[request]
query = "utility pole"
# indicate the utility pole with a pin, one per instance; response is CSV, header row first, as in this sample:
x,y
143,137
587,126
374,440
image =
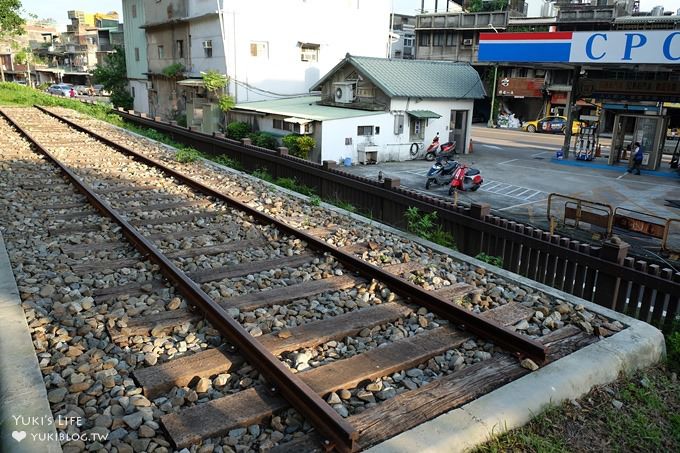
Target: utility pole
x,y
490,123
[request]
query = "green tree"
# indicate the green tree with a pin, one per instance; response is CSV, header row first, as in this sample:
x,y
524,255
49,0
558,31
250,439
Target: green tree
x,y
11,23
113,75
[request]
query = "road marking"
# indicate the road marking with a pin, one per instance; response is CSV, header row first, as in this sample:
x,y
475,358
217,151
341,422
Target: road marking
x,y
622,175
507,161
521,204
492,146
538,154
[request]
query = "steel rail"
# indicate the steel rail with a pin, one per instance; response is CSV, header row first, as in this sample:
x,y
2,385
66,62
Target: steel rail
x,y
502,336
337,432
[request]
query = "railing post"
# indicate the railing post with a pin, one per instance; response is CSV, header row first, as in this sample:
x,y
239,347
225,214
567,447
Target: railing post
x,y
328,164
246,141
473,238
607,285
391,183
282,151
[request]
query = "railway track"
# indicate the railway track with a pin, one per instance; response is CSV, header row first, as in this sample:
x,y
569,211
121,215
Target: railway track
x,y
215,294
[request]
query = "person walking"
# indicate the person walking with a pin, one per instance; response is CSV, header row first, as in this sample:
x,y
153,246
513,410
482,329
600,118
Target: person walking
x,y
637,159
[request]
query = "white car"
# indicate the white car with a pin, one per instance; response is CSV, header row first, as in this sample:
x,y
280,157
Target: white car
x,y
60,89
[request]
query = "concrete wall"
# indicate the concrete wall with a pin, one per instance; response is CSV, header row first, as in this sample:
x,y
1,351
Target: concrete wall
x,y
202,30
167,37
163,10
134,38
338,27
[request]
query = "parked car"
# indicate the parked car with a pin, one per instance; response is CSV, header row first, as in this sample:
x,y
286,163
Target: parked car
x,y
60,89
100,91
82,89
551,124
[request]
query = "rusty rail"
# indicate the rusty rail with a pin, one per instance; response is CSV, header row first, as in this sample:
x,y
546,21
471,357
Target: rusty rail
x,y
338,433
508,339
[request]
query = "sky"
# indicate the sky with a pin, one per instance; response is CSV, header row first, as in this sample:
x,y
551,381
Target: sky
x,y
57,9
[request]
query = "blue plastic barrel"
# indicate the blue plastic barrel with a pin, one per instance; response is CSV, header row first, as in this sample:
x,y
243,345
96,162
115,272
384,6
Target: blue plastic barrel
x,y
348,162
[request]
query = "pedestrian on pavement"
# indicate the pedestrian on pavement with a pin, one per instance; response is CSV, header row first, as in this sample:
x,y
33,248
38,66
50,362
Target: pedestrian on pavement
x,y
72,93
637,159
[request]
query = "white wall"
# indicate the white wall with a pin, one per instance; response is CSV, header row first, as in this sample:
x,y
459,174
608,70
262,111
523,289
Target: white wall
x,y
391,147
358,27
141,99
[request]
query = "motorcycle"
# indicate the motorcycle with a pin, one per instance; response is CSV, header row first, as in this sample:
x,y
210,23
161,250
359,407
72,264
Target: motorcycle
x,y
435,150
441,172
465,178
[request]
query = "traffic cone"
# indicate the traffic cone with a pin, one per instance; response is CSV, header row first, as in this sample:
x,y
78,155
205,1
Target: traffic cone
x,y
470,148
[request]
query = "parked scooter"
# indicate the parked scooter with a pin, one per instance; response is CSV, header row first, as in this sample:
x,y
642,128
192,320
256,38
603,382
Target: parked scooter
x,y
441,172
435,150
465,178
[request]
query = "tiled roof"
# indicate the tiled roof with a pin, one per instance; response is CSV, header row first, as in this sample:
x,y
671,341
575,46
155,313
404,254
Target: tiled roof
x,y
417,78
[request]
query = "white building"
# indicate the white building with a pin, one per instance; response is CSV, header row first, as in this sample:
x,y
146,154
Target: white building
x,y
135,53
374,109
281,48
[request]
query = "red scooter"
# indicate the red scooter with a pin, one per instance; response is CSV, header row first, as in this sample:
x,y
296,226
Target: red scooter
x,y
465,178
435,150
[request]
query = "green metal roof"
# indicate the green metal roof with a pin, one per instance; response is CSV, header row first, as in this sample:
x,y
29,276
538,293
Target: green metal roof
x,y
423,114
304,107
416,78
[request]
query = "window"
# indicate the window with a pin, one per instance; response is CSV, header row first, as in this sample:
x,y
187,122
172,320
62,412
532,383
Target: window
x,y
424,39
259,49
309,52
438,39
161,52
133,91
207,48
134,10
408,41
136,53
283,126
364,130
450,39
180,48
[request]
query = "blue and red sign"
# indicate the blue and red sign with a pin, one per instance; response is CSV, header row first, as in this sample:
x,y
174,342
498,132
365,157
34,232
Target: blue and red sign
x,y
622,47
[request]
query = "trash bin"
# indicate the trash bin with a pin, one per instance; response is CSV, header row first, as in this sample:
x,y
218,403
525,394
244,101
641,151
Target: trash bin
x,y
347,162
559,155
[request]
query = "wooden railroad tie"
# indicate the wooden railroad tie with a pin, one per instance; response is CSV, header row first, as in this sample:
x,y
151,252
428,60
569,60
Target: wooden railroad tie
x,y
255,404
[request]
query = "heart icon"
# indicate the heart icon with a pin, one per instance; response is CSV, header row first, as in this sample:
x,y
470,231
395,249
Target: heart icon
x,y
19,435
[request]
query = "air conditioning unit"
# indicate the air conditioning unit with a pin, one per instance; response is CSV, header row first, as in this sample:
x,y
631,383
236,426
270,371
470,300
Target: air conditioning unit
x,y
467,42
343,92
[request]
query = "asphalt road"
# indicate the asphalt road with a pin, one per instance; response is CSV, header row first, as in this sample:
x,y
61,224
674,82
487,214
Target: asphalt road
x,y
520,173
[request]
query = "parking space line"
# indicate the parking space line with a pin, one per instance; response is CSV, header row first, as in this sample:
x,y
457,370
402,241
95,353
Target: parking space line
x,y
507,161
521,204
522,193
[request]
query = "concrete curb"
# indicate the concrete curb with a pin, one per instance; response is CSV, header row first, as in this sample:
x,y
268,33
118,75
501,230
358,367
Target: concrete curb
x,y
25,417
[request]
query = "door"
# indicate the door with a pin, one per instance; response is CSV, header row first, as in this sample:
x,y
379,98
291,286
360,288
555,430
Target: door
x,y
458,128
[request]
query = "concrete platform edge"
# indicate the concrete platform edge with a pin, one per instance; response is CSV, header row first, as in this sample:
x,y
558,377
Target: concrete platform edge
x,y
24,410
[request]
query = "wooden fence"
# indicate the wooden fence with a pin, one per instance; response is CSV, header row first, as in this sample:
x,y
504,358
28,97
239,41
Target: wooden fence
x,y
601,274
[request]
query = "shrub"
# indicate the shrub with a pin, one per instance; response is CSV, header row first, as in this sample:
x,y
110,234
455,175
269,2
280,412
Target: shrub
x,y
226,103
263,174
238,130
673,351
264,140
173,70
299,145
187,155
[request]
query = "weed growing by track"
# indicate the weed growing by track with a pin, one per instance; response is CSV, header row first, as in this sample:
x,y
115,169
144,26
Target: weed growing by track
x,y
187,155
490,259
426,226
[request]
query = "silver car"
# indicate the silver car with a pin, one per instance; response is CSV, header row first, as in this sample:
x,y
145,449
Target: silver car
x,y
60,89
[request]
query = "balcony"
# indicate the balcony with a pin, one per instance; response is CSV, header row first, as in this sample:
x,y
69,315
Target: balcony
x,y
463,21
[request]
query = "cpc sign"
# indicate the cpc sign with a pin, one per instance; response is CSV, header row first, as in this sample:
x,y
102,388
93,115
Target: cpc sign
x,y
632,47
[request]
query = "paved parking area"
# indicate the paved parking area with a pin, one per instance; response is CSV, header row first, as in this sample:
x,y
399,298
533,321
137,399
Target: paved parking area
x,y
519,173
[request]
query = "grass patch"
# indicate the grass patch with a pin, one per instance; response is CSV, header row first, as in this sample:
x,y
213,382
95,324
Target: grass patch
x,y
292,184
648,419
263,174
226,161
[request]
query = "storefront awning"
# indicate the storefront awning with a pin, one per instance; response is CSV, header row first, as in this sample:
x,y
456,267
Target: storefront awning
x,y
296,120
423,114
